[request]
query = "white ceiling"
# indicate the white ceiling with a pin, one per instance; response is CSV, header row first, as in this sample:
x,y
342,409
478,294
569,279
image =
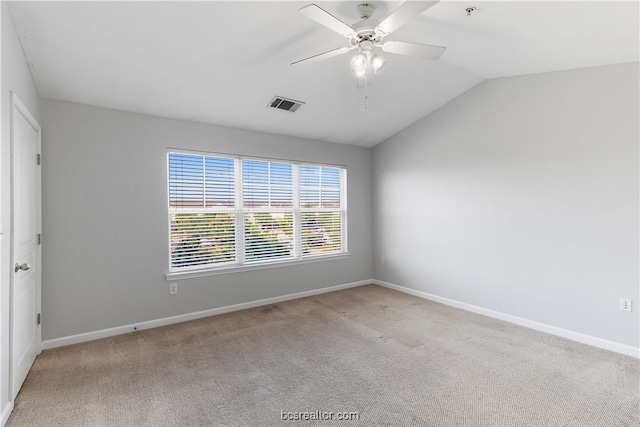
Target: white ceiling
x,y
222,62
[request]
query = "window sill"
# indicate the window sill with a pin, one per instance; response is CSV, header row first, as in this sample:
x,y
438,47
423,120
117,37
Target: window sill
x,y
191,274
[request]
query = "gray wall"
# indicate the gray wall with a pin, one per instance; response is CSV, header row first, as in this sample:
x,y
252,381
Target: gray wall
x,y
16,77
105,219
520,196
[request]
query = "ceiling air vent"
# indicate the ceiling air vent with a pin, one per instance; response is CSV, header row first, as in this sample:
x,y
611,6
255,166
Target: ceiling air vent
x,y
285,104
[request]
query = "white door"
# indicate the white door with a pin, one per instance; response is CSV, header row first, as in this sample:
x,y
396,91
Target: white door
x,y
25,248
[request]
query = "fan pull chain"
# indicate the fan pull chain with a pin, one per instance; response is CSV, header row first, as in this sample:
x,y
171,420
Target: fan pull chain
x,y
366,91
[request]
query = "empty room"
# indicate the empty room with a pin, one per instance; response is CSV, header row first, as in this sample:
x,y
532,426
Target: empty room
x,y
320,213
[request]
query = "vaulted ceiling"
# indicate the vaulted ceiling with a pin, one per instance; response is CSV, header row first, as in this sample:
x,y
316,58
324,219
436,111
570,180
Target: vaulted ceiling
x,y
221,62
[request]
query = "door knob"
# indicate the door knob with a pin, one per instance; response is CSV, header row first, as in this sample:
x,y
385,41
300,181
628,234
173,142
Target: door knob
x,y
23,267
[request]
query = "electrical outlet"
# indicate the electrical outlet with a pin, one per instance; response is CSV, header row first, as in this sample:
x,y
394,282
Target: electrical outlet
x,y
625,304
381,260
173,288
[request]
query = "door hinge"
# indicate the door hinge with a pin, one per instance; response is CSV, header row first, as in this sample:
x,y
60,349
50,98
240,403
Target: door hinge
x,y
38,159
39,238
38,319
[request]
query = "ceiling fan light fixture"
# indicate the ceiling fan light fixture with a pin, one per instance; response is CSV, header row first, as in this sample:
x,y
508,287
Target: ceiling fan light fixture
x,y
359,63
377,63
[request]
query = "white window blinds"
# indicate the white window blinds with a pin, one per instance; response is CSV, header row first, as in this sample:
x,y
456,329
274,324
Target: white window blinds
x,y
202,210
227,211
321,209
267,198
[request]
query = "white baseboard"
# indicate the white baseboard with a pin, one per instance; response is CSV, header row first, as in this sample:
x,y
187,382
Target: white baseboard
x,y
542,327
119,330
6,412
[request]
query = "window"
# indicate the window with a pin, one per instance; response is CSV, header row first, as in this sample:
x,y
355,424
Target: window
x,y
227,211
320,209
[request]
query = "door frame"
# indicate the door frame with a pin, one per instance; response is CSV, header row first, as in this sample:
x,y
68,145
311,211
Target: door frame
x,y
18,107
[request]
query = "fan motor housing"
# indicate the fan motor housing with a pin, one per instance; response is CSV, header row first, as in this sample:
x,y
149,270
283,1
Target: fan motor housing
x,y
366,29
366,32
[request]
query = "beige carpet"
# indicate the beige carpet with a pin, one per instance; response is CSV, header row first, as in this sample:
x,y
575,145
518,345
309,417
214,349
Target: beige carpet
x,y
391,358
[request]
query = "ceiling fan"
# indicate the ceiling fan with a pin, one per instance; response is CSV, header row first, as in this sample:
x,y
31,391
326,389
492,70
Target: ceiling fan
x,y
368,34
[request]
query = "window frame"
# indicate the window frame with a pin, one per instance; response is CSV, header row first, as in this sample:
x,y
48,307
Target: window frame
x,y
239,211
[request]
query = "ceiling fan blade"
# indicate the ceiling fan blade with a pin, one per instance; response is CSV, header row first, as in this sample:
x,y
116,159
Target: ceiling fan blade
x,y
407,11
323,56
414,49
323,17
